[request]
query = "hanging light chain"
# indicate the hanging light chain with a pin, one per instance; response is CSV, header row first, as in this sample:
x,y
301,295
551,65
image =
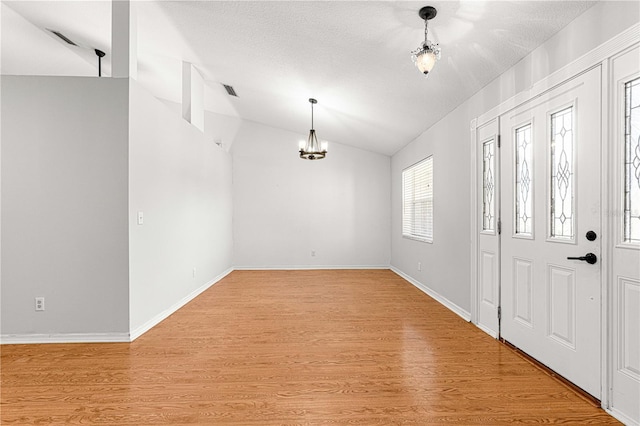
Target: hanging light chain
x,y
426,31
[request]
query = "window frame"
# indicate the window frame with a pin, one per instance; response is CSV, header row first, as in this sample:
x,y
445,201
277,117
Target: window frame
x,y
428,201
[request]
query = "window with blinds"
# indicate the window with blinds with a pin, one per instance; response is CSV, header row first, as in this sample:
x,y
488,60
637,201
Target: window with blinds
x,y
417,201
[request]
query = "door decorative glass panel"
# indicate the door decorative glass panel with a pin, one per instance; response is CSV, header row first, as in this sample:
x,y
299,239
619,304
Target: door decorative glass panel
x,y
488,185
524,181
562,158
632,162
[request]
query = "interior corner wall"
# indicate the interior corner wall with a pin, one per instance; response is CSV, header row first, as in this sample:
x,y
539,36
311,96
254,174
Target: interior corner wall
x,y
446,264
181,182
294,213
53,58
64,206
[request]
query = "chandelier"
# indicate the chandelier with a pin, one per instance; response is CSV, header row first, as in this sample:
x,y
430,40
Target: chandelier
x,y
312,149
428,53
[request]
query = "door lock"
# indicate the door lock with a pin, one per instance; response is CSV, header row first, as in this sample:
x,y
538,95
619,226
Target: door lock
x,y
590,258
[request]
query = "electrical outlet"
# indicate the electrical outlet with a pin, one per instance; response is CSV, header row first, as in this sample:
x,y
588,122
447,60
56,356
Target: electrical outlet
x,y
140,218
313,253
194,272
419,266
39,303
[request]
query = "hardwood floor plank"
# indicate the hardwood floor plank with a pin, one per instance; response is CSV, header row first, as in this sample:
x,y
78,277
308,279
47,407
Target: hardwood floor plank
x,y
291,348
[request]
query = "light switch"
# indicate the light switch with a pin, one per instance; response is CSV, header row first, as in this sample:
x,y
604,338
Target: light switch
x,y
140,218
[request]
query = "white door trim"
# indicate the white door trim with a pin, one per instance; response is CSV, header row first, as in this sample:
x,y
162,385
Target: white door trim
x,y
473,208
599,56
607,229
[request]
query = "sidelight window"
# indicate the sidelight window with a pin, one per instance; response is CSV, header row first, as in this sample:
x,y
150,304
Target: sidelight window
x,y
488,185
632,162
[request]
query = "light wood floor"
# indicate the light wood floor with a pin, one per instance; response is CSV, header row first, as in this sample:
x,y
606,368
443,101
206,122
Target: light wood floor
x,y
291,348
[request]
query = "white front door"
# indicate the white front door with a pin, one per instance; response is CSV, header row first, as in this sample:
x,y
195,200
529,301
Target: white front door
x,y
625,277
550,206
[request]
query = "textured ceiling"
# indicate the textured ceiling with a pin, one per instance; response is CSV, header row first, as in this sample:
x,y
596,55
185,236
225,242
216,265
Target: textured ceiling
x,y
352,56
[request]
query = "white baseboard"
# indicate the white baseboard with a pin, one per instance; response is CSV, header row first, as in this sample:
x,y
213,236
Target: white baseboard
x,y
29,339
487,330
307,267
435,295
140,330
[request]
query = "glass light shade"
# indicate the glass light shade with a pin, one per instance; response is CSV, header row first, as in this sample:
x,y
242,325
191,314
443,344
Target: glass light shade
x,y
325,145
425,61
425,56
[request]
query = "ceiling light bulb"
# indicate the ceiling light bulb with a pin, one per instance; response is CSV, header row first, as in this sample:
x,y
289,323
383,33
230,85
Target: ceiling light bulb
x,y
425,61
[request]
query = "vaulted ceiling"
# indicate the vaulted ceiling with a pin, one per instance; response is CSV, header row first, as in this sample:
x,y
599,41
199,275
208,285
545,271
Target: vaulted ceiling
x,y
353,56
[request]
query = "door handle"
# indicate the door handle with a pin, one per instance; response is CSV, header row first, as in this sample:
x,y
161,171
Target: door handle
x,y
589,258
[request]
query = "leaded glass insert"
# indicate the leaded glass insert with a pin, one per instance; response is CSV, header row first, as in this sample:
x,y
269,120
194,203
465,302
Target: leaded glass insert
x,y
524,182
562,165
632,162
488,185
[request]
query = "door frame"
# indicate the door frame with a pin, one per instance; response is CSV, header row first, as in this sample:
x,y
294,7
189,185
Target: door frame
x,y
601,57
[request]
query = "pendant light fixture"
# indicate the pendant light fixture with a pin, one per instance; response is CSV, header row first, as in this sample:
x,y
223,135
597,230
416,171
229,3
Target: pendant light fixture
x,y
312,149
99,53
428,53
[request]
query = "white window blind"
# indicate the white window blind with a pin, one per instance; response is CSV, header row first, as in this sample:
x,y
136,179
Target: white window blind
x,y
417,201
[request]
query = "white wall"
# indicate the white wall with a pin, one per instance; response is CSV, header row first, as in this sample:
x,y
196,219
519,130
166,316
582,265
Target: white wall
x,y
285,207
80,158
55,57
181,181
64,205
217,127
448,258
445,262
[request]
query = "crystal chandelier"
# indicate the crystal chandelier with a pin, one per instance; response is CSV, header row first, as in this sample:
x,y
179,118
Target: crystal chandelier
x,y
428,53
311,150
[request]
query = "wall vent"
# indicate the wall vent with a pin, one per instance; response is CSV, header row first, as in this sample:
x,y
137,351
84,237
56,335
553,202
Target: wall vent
x,y
230,90
63,37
